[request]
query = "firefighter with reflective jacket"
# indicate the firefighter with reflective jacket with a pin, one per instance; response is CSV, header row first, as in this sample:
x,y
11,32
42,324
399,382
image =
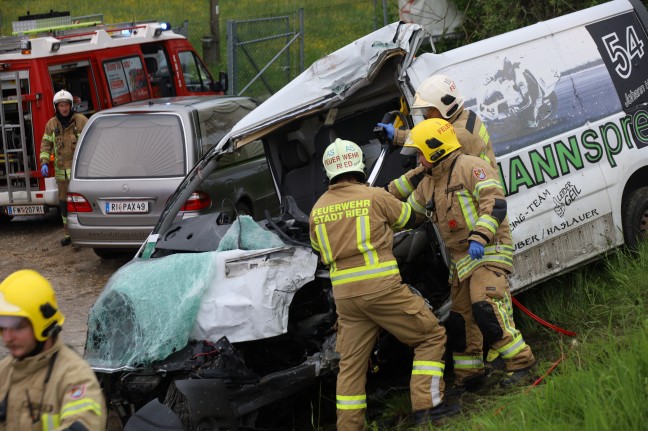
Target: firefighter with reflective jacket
x,y
351,227
61,134
463,196
438,97
44,384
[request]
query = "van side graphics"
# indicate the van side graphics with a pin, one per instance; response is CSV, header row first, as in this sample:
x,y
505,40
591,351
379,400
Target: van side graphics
x,y
563,157
625,56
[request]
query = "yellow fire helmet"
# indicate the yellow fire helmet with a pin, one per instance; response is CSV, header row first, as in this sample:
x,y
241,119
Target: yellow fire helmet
x,y
27,294
434,138
341,157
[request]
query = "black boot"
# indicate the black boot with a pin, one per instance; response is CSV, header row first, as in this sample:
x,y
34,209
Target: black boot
x,y
66,241
522,377
435,414
469,384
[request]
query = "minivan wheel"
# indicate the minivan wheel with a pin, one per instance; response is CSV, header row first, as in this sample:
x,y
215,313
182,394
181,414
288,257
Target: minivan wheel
x,y
635,217
109,253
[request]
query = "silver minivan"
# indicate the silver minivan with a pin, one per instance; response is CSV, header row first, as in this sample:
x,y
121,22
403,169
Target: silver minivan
x,y
130,159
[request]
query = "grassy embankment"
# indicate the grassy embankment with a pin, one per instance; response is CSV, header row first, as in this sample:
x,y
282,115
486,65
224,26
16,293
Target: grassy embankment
x,y
601,378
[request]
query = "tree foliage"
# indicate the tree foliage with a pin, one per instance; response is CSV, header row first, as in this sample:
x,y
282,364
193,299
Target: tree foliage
x,y
486,18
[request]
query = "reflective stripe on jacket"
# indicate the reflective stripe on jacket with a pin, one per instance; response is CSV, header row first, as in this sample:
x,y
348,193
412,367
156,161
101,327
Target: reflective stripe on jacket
x,y
61,142
464,197
72,394
360,221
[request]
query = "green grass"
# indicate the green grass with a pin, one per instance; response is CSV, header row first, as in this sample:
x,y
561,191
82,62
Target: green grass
x,y
601,380
328,25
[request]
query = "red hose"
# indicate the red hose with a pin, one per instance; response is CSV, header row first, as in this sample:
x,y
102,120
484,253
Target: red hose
x,y
541,321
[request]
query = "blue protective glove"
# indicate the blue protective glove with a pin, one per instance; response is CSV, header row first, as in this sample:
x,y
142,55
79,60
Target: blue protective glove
x,y
45,170
389,128
476,250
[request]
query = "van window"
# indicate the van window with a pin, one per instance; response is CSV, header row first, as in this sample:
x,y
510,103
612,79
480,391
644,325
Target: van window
x,y
157,66
195,73
126,80
78,79
132,146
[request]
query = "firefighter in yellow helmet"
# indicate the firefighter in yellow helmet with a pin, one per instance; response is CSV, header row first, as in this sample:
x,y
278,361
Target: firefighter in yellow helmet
x,y
463,196
351,227
438,97
45,385
60,138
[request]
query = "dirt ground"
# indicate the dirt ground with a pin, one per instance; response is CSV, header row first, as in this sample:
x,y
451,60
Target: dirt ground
x,y
77,274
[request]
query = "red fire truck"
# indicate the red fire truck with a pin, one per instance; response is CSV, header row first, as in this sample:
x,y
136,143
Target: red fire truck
x,y
102,65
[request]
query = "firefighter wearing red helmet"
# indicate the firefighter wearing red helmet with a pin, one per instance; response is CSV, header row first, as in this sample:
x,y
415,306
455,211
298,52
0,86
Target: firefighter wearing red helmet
x,y
61,134
351,227
438,97
463,196
45,385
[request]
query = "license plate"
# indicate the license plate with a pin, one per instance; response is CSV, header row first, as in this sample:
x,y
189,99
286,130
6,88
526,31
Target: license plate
x,y
127,207
25,210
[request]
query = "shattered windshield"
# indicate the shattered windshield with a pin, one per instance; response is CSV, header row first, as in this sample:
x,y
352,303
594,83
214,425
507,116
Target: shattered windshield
x,y
152,308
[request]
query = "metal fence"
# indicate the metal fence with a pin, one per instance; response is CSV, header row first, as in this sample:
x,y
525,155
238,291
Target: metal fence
x,y
265,54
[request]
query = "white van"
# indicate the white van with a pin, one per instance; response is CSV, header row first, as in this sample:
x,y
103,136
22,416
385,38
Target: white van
x,y
575,168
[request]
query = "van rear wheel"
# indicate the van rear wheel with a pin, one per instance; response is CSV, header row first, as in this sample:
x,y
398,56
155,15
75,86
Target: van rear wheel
x,y
635,217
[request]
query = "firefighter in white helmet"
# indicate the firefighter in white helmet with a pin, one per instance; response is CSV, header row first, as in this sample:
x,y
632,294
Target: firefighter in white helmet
x,y
351,227
438,97
463,196
45,385
59,140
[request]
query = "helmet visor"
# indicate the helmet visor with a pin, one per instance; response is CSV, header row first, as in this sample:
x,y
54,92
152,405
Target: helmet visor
x,y
11,322
409,151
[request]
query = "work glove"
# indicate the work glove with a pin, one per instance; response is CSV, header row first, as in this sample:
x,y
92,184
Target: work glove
x,y
476,250
45,170
389,128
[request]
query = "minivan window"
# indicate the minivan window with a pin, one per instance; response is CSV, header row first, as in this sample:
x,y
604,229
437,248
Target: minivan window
x,y
216,120
126,80
250,151
132,146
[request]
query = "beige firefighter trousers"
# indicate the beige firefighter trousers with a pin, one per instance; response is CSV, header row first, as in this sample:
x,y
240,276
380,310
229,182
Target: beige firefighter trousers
x,y
488,288
407,317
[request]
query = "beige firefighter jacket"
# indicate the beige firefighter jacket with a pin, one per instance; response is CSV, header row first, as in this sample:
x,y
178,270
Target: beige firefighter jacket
x,y
71,396
473,137
62,143
463,196
351,227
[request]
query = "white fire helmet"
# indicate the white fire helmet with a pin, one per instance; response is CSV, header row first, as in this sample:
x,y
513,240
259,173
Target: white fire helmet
x,y
341,157
438,91
63,95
